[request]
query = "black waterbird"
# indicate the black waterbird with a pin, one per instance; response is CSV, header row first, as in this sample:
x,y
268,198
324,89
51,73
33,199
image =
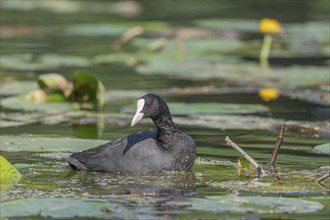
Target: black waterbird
x,y
165,148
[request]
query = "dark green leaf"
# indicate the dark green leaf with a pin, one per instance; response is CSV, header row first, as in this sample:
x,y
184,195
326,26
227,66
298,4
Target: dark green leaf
x,y
88,89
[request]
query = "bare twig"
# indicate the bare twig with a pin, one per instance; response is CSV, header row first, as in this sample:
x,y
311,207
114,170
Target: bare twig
x,y
323,187
274,173
319,180
246,156
277,146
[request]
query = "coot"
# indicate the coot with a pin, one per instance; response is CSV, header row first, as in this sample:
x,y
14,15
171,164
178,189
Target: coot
x,y
165,148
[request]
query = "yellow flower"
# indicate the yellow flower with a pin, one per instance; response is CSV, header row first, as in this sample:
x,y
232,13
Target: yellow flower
x,y
269,94
268,25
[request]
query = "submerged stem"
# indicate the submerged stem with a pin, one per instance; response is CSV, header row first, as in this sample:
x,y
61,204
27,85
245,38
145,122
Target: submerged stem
x,y
265,51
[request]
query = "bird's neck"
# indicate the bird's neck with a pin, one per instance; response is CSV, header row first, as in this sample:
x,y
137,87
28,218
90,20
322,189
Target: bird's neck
x,y
165,126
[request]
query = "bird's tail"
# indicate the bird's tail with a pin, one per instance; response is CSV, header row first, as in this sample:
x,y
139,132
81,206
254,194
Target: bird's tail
x,y
75,164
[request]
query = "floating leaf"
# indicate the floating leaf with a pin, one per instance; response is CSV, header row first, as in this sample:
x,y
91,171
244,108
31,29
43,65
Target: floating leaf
x,y
254,204
6,123
88,89
25,62
313,96
308,128
16,87
114,29
177,108
53,83
322,149
19,62
316,31
21,103
96,30
126,8
32,143
245,168
195,47
56,60
168,63
126,58
303,76
18,119
54,208
229,24
8,173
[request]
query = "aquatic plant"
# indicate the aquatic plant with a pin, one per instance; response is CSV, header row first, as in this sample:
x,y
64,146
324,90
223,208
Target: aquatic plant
x,y
268,27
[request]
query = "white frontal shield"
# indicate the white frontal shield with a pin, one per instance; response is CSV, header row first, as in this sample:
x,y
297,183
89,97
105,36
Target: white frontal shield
x,y
138,115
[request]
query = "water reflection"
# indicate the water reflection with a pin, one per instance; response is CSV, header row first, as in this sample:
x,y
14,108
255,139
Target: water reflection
x,y
126,185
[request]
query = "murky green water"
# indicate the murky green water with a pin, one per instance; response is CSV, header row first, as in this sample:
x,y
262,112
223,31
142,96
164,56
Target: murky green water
x,y
48,30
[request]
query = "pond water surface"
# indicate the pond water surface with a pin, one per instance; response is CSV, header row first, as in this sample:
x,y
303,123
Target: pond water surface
x,y
57,192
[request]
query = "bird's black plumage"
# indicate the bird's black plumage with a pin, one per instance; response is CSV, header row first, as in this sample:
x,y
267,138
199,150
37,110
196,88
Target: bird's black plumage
x,y
165,148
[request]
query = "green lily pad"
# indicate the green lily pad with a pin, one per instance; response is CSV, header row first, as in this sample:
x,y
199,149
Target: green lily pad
x,y
26,62
56,60
93,118
6,123
54,208
16,87
166,65
21,103
229,24
32,143
254,204
177,108
303,76
126,58
127,9
113,29
315,30
245,168
169,63
150,26
53,82
9,175
195,48
19,62
96,30
320,97
322,149
17,119
87,88
254,122
303,39
115,95
201,46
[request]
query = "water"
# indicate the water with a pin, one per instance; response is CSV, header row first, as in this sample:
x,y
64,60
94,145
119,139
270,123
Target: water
x,y
47,176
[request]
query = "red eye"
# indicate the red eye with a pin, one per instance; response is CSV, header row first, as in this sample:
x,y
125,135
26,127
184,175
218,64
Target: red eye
x,y
148,105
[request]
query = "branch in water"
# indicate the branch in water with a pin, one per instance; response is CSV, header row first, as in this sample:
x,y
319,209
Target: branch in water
x,y
277,146
322,178
246,156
